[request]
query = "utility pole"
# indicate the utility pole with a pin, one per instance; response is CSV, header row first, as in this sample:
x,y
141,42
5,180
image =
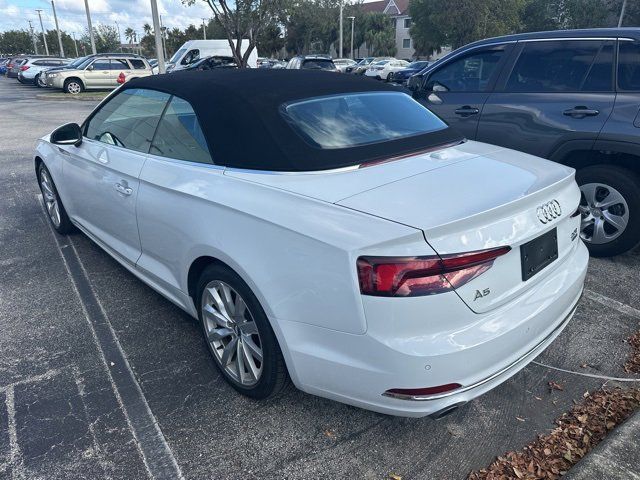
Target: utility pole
x,y
353,19
119,37
163,30
75,43
158,34
93,42
44,37
204,29
622,12
340,54
33,38
55,18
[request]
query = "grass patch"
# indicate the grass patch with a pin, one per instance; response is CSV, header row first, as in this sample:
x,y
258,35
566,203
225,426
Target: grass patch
x,y
68,96
577,432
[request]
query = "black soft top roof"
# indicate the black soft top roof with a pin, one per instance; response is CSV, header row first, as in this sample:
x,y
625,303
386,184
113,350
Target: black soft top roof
x,y
239,112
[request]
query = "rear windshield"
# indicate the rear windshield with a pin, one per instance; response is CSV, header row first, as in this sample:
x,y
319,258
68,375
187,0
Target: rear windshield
x,y
318,64
355,119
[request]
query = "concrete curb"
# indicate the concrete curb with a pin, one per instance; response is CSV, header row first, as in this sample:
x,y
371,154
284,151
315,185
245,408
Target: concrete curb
x,y
44,96
616,457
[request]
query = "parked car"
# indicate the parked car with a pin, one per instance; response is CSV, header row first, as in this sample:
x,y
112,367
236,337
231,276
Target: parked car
x,y
343,63
98,72
79,63
3,66
31,70
384,69
312,62
13,66
194,50
403,75
363,238
210,63
570,96
360,67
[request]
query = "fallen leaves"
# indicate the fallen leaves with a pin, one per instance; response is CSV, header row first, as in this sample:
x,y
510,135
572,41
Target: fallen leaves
x,y
555,386
550,456
632,365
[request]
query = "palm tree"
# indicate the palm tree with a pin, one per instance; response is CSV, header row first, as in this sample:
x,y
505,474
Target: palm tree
x,y
129,34
147,29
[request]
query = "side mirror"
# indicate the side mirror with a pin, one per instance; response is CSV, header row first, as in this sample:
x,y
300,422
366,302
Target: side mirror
x,y
90,67
438,87
68,134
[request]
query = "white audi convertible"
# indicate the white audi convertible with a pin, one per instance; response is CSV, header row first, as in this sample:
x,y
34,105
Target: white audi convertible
x,y
326,229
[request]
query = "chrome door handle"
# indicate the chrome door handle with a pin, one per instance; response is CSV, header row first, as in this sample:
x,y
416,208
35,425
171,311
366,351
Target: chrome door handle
x,y
580,112
466,111
123,190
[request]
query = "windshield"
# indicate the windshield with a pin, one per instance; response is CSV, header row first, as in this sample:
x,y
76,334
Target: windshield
x,y
177,55
77,62
318,64
350,120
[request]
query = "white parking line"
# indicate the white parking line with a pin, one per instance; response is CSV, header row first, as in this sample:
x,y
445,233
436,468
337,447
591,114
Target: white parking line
x,y
611,303
156,454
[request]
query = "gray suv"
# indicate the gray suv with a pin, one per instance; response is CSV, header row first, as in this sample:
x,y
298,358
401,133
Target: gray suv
x,y
569,96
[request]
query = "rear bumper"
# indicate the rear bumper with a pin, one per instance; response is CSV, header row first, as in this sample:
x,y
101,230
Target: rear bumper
x,y
428,341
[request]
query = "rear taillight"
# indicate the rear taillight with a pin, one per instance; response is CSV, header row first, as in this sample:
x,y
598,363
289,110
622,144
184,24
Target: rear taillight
x,y
24,67
416,276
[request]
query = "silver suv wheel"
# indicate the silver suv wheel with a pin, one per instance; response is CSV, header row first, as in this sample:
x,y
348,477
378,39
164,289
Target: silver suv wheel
x,y
605,213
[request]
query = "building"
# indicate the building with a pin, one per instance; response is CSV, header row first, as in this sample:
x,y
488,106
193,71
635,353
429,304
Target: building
x,y
399,10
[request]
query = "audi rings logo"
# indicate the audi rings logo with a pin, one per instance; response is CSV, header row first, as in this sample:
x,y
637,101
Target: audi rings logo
x,y
549,211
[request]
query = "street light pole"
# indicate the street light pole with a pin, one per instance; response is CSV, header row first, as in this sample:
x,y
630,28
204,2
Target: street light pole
x,y
158,34
44,37
93,42
119,37
622,11
204,29
75,43
353,19
55,18
33,38
340,54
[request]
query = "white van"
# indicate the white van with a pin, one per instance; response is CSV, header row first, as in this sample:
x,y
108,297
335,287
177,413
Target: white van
x,y
194,50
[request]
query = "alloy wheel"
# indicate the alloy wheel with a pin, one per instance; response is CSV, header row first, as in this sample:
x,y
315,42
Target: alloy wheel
x,y
50,197
232,333
605,213
73,88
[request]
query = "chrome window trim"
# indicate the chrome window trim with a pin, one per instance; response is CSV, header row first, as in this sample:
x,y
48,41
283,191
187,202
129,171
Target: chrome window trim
x,y
556,39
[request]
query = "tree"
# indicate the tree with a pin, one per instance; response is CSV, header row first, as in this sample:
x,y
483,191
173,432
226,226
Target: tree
x,y
462,22
129,34
16,41
380,34
270,41
244,21
105,36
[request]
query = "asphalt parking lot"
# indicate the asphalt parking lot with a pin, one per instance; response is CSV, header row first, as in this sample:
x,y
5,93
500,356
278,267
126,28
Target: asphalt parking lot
x,y
100,377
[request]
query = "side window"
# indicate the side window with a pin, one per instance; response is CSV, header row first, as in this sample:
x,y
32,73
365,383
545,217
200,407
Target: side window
x,y
101,65
191,57
119,64
471,73
137,64
629,65
563,66
129,119
179,135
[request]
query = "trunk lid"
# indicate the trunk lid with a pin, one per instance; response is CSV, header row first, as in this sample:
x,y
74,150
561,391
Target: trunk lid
x,y
487,201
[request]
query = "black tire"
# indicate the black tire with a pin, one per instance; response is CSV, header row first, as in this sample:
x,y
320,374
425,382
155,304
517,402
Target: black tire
x,y
65,226
274,377
35,80
73,86
627,184
390,77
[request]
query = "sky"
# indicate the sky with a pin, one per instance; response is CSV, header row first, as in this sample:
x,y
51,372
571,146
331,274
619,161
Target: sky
x,y
15,14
